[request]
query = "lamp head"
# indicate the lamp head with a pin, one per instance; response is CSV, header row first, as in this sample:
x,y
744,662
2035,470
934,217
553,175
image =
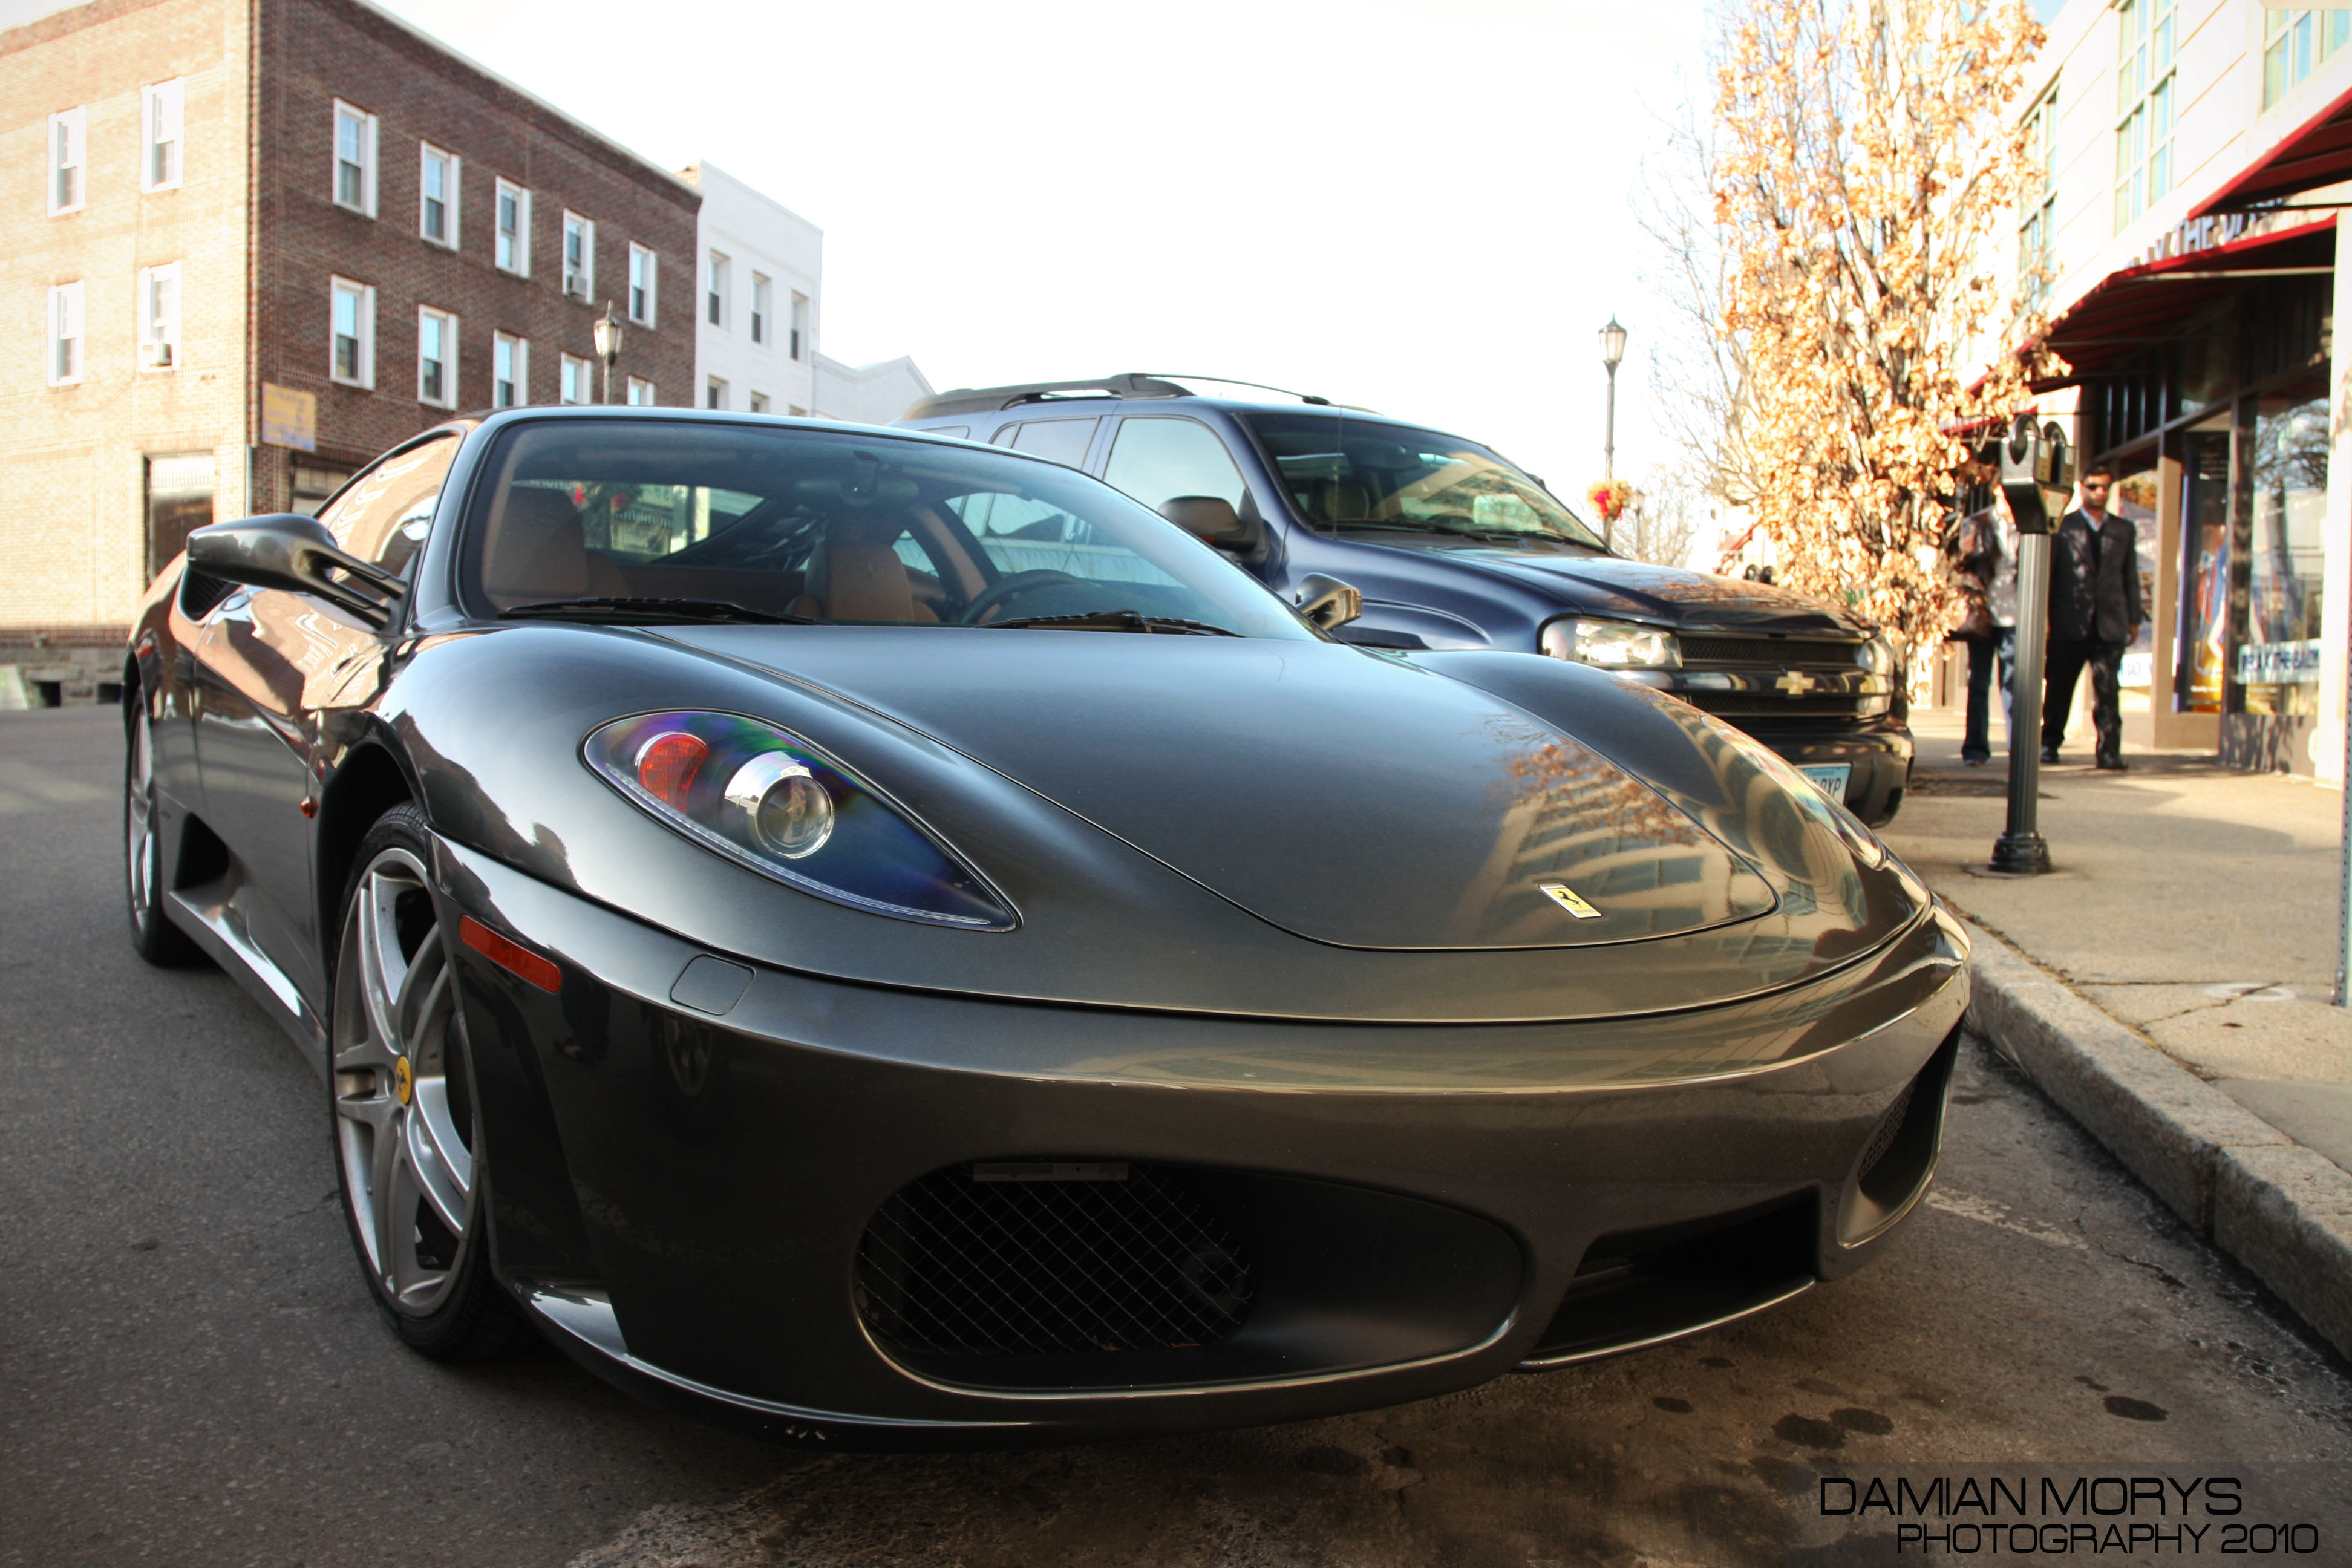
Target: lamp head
x,y
1613,344
607,335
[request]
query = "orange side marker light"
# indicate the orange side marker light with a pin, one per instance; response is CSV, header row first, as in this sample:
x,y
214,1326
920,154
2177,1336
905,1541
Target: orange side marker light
x,y
511,956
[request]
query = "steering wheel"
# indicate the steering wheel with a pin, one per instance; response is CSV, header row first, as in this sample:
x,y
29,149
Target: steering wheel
x,y
1011,587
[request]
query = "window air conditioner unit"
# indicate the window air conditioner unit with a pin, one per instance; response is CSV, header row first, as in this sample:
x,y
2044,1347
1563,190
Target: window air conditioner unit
x,y
155,356
576,284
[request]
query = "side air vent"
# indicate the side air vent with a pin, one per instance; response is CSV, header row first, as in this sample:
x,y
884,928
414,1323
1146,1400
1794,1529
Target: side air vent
x,y
1050,1257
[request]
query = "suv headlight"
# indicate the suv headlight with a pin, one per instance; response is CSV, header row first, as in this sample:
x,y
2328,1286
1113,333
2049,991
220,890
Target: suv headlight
x,y
769,800
1612,645
1877,656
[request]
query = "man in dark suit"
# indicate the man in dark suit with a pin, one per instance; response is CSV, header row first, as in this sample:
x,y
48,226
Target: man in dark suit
x,y
2096,611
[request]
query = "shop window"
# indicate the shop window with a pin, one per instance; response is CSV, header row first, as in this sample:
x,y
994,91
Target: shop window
x,y
2275,661
2133,498
2295,41
179,499
2146,32
2204,619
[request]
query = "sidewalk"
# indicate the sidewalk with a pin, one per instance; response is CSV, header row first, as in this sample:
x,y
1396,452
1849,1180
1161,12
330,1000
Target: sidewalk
x,y
2194,910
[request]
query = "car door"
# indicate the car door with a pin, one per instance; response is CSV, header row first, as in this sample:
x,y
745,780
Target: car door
x,y
268,663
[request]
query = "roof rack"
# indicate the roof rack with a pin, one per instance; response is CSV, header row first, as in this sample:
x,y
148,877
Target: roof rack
x,y
1134,383
989,399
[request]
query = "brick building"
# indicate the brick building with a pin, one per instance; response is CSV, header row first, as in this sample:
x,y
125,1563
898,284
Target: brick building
x,y
248,244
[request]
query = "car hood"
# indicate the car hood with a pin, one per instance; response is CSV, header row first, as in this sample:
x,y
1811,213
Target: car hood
x,y
1344,795
1604,586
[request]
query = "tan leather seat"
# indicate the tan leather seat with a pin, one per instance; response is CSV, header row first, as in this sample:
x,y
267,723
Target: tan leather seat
x,y
854,575
537,550
1342,500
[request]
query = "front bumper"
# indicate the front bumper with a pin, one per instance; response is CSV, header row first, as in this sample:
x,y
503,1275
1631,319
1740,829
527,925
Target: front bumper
x,y
1878,750
680,1192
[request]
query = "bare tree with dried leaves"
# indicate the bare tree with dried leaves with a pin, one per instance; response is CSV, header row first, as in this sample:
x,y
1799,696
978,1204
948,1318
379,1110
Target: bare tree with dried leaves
x,y
1868,159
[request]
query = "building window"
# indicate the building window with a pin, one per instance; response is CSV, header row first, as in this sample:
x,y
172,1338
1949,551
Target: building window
x,y
2145,31
641,392
763,307
714,292
759,403
574,385
512,251
64,159
436,198
352,357
641,286
2038,204
798,412
800,325
161,120
65,334
2294,42
436,357
509,370
159,317
714,394
355,131
179,501
579,256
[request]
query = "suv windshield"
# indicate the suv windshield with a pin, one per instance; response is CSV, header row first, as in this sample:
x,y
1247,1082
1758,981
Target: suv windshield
x,y
672,519
1345,473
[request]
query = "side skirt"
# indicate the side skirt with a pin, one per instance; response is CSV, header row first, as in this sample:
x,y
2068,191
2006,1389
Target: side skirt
x,y
207,914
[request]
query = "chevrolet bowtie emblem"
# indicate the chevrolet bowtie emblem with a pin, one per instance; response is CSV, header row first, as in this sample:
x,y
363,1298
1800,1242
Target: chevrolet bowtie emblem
x,y
1569,899
1795,682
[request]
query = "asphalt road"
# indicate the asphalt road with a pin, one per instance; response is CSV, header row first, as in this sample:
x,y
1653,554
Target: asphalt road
x,y
191,1375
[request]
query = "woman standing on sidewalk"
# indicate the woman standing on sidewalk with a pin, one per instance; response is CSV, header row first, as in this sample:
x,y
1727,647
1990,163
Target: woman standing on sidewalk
x,y
1983,548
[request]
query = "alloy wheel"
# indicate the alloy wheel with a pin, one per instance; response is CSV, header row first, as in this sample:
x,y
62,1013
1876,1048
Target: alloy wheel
x,y
139,817
404,1120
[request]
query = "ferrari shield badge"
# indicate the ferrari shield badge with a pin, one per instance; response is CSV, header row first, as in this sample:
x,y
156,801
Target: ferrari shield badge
x,y
1569,899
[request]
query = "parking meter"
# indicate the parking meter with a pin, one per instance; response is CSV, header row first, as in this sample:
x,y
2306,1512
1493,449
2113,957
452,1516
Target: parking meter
x,y
2037,479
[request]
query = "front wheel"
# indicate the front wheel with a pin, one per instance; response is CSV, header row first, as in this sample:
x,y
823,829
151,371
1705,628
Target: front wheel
x,y
408,1129
153,937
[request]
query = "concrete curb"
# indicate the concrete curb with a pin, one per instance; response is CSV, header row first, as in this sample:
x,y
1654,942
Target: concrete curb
x,y
2276,1206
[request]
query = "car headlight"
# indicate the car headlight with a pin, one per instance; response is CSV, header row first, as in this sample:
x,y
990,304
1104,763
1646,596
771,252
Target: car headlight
x,y
1612,645
769,800
1877,656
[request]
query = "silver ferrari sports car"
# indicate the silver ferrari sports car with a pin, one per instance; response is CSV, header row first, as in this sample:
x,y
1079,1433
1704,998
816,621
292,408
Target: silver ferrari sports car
x,y
880,940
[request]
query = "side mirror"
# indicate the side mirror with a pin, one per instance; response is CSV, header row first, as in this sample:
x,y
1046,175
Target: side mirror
x,y
1327,602
1212,521
295,554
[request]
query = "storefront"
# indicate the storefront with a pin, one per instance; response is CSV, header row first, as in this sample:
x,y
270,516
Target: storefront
x,y
2201,378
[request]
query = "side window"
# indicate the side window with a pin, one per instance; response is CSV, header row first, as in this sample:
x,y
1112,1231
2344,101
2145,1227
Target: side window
x,y
1157,459
385,514
1063,441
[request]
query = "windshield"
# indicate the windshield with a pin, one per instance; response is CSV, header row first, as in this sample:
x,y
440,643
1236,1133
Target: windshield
x,y
668,520
1345,473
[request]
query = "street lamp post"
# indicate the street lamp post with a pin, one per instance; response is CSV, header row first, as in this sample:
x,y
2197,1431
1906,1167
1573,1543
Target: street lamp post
x,y
1613,353
607,334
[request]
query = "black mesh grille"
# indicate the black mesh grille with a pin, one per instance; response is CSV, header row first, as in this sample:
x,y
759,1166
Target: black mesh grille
x,y
1772,704
1774,652
1884,1139
1043,1257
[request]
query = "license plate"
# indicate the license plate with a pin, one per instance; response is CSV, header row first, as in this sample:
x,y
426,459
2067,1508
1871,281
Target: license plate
x,y
1829,777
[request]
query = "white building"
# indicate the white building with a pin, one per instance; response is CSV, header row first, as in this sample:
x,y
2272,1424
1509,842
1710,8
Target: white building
x,y
755,299
2195,153
867,393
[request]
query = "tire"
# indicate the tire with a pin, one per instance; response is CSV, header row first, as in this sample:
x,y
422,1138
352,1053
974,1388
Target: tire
x,y
153,937
406,1126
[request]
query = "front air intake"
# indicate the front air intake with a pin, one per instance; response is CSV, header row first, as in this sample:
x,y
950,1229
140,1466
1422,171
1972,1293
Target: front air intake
x,y
1049,1258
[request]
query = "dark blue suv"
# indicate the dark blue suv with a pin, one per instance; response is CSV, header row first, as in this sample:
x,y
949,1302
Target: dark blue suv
x,y
1454,547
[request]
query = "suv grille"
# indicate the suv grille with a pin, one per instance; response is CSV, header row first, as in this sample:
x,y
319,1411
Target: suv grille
x,y
1775,705
1043,1257
1769,652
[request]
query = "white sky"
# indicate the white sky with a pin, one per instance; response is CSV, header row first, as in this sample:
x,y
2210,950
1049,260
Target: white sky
x,y
1420,206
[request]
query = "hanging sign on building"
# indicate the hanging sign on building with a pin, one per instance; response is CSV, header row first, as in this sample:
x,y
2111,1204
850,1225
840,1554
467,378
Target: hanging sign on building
x,y
289,418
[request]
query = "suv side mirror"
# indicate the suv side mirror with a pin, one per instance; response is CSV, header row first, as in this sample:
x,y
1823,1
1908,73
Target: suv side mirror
x,y
295,554
1211,519
1327,602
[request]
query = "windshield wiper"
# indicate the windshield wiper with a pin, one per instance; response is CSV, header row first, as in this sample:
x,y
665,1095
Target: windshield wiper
x,y
624,608
1426,526
1117,621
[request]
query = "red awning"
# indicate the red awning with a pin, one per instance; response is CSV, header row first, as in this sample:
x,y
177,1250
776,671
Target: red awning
x,y
2315,153
2145,304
